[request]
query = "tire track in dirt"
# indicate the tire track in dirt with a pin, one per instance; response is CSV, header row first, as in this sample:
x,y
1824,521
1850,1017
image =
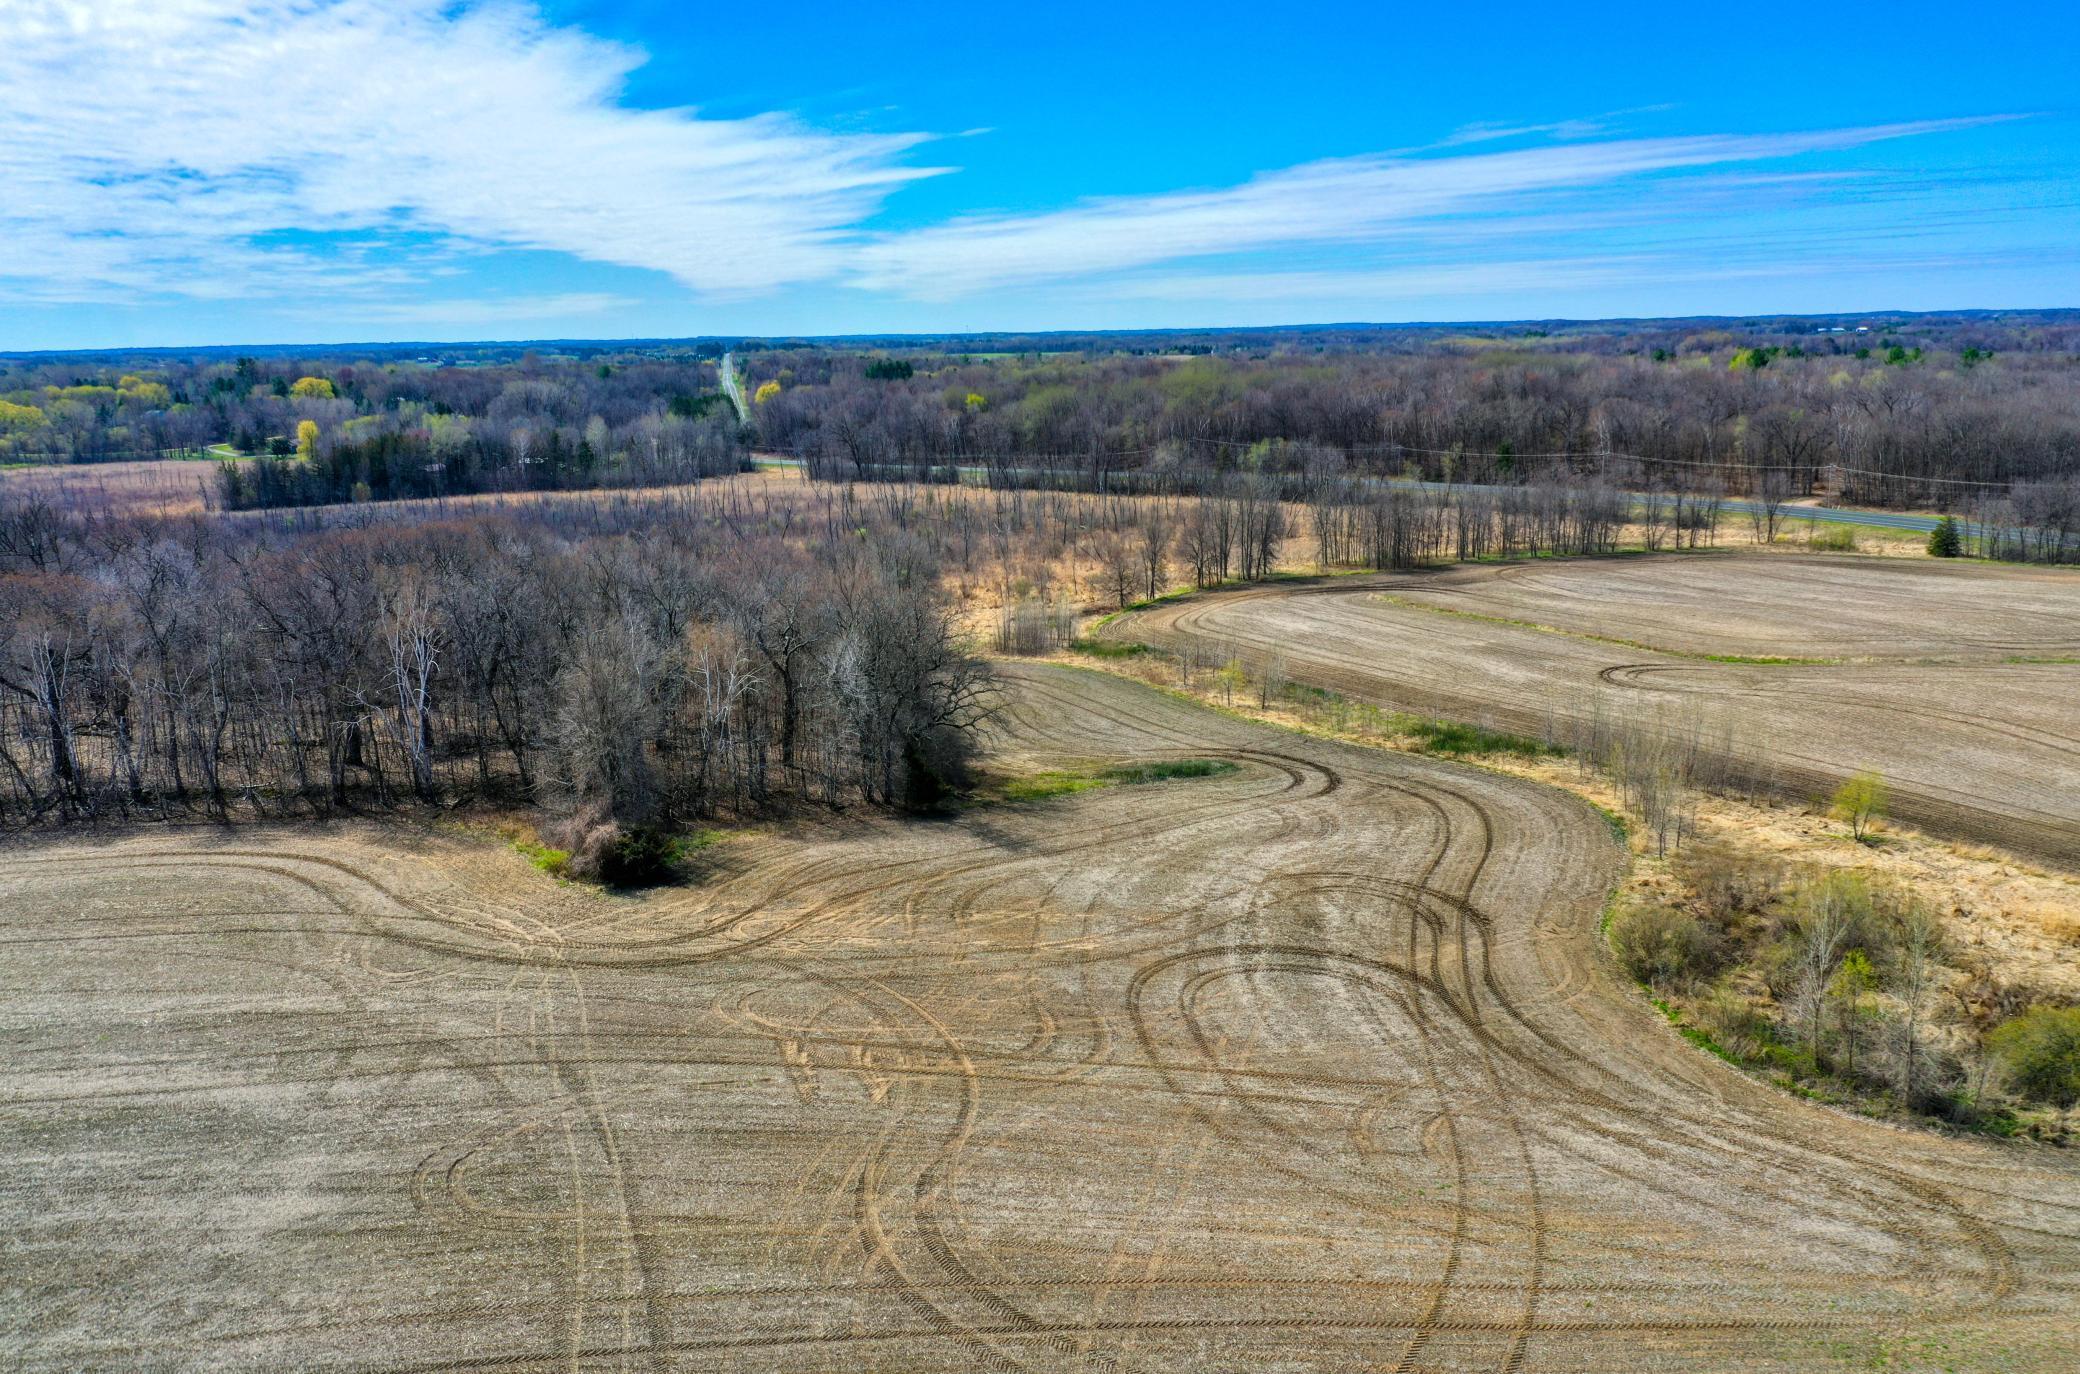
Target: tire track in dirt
x,y
1976,752
1308,1065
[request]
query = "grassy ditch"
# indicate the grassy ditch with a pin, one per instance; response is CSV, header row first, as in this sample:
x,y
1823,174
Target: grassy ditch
x,y
1342,715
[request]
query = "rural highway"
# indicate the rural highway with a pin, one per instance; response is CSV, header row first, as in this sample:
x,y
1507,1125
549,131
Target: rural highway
x,y
730,388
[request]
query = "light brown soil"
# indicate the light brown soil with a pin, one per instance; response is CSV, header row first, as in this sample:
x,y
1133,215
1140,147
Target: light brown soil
x,y
1813,606
1935,692
2012,919
1312,1065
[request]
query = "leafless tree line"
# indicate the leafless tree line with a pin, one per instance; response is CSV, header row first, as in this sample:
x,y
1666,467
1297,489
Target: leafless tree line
x,y
645,660
2037,522
1916,432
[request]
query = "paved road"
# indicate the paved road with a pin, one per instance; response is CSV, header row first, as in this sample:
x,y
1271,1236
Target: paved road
x,y
1879,519
732,390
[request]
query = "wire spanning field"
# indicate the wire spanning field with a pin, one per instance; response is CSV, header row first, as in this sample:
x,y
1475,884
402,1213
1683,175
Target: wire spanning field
x,y
1309,1065
1959,684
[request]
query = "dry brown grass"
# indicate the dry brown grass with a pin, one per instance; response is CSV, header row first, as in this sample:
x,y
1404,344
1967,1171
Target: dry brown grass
x,y
150,487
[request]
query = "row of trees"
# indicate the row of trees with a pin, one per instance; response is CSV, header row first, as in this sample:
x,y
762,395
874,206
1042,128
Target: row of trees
x,y
2036,522
1243,526
1925,412
1927,432
87,410
449,459
626,662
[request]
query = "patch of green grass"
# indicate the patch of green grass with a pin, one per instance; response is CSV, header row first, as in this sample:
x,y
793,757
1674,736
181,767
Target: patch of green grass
x,y
1621,829
1694,1034
1042,786
1133,775
554,862
1064,782
682,848
1105,648
1452,738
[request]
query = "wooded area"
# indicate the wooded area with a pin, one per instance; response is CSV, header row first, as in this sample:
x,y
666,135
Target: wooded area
x,y
1973,413
623,662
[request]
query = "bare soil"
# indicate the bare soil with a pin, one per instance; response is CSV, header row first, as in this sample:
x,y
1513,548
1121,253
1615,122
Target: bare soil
x,y
1315,1064
1958,683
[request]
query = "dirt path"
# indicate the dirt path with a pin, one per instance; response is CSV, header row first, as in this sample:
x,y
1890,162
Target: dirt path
x,y
1311,1065
1959,684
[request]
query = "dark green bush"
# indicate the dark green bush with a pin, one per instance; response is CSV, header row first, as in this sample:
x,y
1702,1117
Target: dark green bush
x,y
640,856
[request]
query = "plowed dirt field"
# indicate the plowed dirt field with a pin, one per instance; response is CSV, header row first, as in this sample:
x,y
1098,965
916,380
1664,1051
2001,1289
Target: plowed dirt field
x,y
1960,684
1311,1065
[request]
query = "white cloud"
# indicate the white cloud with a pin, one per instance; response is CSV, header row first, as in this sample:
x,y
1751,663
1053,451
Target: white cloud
x,y
1588,126
1360,286
496,309
1344,200
354,151
151,146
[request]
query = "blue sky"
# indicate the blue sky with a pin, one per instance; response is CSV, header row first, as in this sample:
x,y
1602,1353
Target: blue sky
x,y
226,171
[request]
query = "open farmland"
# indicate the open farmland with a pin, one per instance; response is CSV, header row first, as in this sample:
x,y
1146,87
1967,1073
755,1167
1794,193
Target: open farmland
x,y
1312,1064
149,486
1958,684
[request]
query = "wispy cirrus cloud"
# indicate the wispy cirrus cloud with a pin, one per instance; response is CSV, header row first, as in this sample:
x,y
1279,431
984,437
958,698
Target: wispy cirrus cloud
x,y
465,310
358,150
1585,126
168,145
1344,200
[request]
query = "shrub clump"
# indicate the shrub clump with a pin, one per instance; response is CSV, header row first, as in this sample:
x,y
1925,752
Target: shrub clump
x,y
2041,1051
1664,946
597,848
640,856
1728,883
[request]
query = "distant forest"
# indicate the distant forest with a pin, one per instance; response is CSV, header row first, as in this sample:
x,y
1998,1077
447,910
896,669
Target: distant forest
x,y
1978,413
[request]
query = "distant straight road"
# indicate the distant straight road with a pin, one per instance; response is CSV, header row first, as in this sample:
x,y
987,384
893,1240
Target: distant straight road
x,y
732,390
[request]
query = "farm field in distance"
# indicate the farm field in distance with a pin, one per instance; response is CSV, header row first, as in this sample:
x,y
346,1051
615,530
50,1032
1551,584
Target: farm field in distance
x,y
1958,684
